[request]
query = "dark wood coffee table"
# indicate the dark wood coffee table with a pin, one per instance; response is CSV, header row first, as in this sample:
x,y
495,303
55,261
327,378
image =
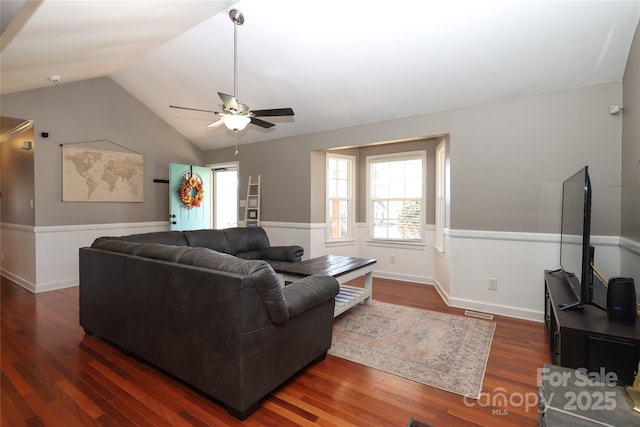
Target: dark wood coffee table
x,y
343,268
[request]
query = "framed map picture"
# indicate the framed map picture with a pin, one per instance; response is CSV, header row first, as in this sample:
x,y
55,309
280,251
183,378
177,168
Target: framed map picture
x,y
91,175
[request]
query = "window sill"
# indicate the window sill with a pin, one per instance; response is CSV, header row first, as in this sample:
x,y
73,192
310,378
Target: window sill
x,y
416,245
338,243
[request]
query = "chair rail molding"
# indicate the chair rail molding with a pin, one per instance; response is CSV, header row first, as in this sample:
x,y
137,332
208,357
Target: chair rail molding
x,y
45,258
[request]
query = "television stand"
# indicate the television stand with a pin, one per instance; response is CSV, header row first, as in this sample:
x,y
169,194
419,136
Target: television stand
x,y
575,306
586,338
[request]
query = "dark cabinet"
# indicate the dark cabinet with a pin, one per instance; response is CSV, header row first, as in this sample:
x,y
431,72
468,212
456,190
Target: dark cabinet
x,y
586,338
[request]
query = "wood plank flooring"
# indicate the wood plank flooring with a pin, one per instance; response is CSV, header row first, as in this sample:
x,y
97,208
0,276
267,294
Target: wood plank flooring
x,y
54,375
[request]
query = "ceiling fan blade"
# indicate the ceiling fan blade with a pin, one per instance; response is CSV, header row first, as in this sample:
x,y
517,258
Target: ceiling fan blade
x,y
273,112
216,123
261,123
193,109
229,101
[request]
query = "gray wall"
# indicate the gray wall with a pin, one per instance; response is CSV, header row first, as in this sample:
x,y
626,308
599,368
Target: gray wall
x,y
631,144
97,109
507,160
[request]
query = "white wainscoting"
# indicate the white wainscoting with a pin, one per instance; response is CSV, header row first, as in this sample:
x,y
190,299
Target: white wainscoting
x,y
289,233
460,274
49,254
46,258
630,261
517,261
18,261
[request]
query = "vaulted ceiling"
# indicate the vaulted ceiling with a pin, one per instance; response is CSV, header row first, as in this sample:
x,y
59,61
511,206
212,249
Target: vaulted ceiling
x,y
336,63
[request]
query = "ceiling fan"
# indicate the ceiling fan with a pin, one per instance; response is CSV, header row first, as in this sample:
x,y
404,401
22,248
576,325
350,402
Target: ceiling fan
x,y
237,116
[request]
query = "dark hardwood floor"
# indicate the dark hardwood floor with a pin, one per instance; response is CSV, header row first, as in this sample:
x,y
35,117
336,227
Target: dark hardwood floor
x,y
54,375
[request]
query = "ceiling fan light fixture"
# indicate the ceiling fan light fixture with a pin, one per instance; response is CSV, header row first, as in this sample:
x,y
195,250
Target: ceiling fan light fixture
x,y
236,122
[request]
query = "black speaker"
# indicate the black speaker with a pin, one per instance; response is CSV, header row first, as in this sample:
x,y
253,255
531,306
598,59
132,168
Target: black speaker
x,y
621,300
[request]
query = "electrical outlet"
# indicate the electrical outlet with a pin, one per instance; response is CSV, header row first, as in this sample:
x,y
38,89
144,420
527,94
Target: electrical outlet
x,y
2,256
392,259
493,284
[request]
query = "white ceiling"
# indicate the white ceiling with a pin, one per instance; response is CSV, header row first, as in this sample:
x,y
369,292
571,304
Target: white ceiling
x,y
336,63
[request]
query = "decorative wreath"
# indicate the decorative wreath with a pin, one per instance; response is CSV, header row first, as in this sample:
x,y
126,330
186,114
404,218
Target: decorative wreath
x,y
191,190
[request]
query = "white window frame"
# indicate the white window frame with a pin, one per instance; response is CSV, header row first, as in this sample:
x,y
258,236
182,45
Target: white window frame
x,y
350,199
441,175
401,156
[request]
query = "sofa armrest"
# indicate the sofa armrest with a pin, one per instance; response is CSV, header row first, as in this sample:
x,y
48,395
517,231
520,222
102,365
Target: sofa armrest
x,y
292,253
309,292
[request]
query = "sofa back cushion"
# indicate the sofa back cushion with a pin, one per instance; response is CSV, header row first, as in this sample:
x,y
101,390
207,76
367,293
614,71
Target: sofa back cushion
x,y
116,245
175,238
207,238
246,239
263,277
164,252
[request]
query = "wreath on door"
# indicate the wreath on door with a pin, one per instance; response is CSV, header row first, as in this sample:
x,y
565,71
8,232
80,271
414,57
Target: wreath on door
x,y
191,190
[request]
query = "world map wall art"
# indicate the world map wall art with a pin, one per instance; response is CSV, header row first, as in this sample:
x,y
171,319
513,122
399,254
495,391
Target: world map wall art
x,y
91,175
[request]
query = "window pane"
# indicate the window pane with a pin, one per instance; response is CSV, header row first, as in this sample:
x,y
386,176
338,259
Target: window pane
x,y
343,189
332,173
334,227
396,191
413,188
396,188
339,196
413,168
343,169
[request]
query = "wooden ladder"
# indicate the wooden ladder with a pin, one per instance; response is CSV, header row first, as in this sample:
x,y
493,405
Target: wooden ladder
x,y
252,207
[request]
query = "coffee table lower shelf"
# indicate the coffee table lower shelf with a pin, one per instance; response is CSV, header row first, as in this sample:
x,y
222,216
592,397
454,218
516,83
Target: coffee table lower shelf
x,y
343,268
348,297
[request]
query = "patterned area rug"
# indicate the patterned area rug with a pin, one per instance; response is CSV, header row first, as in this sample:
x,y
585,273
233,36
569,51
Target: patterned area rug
x,y
437,349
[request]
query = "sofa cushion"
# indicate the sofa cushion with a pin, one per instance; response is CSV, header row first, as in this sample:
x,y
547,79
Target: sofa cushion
x,y
309,292
208,238
255,254
164,252
175,238
117,245
262,275
209,258
292,253
244,239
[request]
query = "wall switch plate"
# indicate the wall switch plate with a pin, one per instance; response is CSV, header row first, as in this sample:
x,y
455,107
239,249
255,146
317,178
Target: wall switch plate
x,y
493,284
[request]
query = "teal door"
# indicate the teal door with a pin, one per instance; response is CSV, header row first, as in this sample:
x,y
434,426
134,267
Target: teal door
x,y
189,197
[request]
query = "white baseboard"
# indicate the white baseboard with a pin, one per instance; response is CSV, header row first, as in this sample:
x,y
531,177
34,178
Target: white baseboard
x,y
403,277
502,310
31,287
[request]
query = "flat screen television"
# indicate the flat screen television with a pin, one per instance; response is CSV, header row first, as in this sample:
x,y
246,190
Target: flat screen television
x,y
575,251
